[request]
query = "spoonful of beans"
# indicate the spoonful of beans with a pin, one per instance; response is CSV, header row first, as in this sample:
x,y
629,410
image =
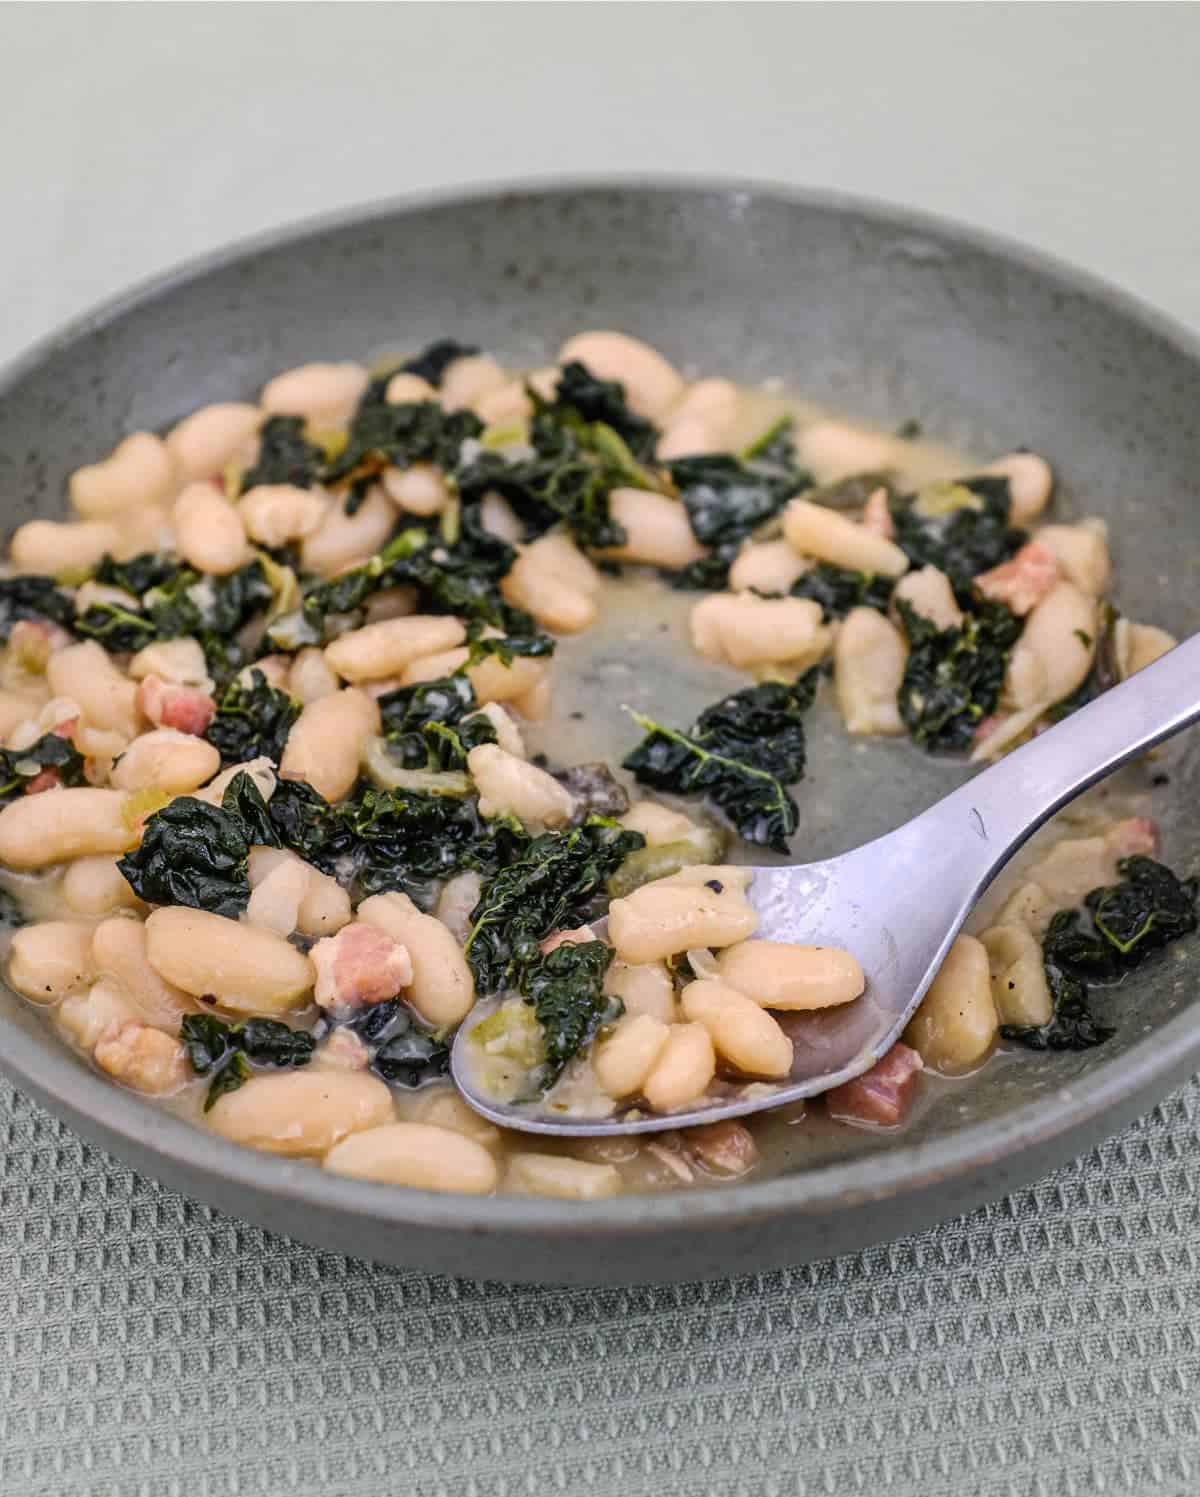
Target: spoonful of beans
x,y
867,932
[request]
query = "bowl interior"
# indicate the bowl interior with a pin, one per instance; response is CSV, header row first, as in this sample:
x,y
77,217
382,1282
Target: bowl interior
x,y
883,317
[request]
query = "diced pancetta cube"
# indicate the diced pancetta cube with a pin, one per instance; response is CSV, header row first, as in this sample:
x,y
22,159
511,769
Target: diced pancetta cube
x,y
1023,581
359,966
185,708
881,1095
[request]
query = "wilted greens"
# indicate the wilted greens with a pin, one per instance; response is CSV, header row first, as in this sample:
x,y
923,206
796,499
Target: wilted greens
x,y
51,752
557,882
223,1050
401,1050
285,455
252,720
838,590
741,753
953,676
1118,926
566,992
962,528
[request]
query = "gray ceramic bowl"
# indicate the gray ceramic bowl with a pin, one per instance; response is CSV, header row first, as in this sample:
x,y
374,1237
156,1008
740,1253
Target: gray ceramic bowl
x,y
882,313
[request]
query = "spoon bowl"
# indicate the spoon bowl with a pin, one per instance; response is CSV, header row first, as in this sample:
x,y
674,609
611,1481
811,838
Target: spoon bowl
x,y
898,902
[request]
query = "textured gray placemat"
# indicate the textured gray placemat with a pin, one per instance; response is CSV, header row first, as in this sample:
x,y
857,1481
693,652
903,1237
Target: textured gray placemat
x,y
1045,1345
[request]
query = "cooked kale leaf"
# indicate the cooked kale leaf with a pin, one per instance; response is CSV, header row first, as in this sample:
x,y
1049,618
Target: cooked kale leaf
x,y
194,854
402,1051
33,598
432,362
434,725
838,590
117,628
566,992
285,455
741,753
1118,926
214,1046
590,399
557,881
51,752
1147,909
384,436
567,478
252,720
726,499
410,841
962,528
953,676
140,573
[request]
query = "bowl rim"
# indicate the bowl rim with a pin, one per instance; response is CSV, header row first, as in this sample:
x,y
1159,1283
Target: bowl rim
x,y
62,1081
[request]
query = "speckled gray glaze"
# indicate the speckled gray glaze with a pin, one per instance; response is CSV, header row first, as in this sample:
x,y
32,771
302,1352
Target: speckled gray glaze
x,y
877,311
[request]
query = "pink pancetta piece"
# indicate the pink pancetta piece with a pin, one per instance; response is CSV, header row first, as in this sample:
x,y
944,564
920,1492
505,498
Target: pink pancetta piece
x,y
1023,580
1136,836
883,1094
46,779
877,516
359,966
168,705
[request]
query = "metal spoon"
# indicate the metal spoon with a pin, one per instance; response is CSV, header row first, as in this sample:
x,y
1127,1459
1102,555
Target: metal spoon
x,y
898,902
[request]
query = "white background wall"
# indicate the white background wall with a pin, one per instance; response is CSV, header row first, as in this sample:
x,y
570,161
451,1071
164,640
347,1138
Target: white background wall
x,y
132,136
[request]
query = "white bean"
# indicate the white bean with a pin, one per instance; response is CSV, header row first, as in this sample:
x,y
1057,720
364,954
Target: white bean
x,y
323,906
508,734
652,384
1028,905
409,389
418,490
928,593
663,918
62,550
836,450
627,1055
245,968
39,830
815,531
869,656
1055,650
276,895
1030,484
138,471
553,580
956,1024
49,960
274,514
1138,645
658,824
442,1107
391,603
657,529
498,518
743,630
119,952
742,1033
683,1071
209,530
327,741
703,421
203,443
311,677
491,679
1081,552
96,886
179,660
768,567
324,394
787,975
504,406
385,649
166,759
468,379
442,988
418,1155
301,1113
107,700
645,988
509,786
343,540
1019,987
567,1179
148,527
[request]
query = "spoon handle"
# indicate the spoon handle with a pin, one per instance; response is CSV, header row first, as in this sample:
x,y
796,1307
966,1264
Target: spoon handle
x,y
1004,805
